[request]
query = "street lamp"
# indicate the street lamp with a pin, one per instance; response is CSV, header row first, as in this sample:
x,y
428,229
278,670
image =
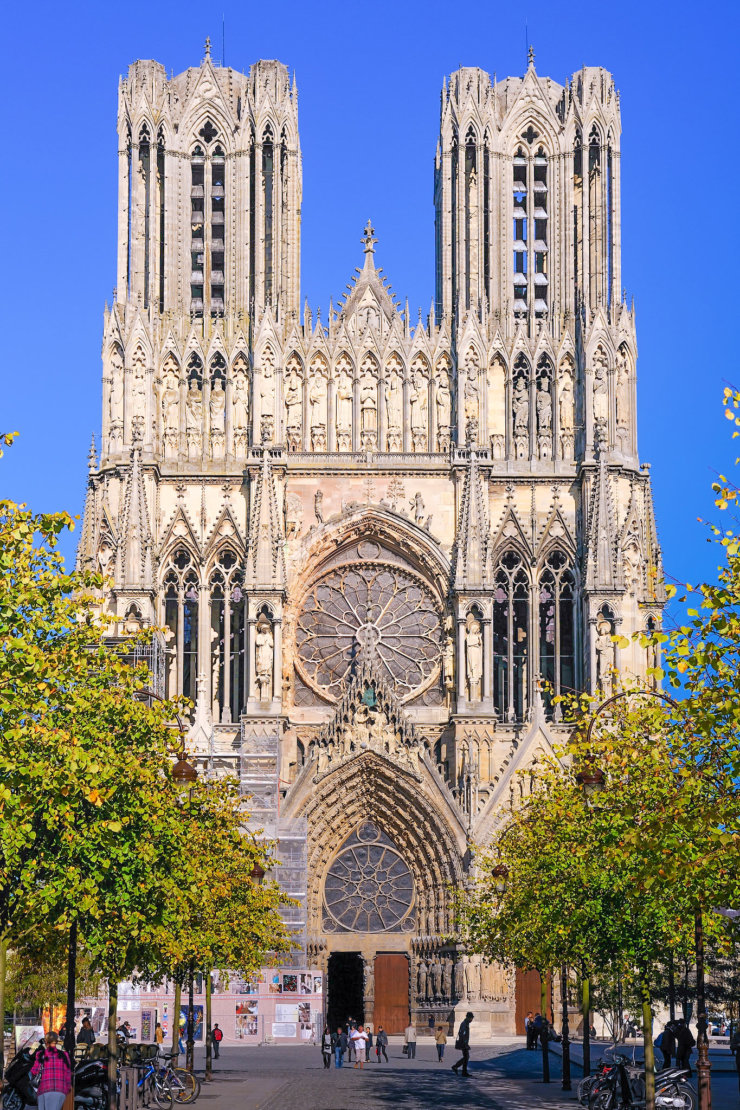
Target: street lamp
x,y
592,781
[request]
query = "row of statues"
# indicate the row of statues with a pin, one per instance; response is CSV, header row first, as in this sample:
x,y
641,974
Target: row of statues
x,y
443,979
340,413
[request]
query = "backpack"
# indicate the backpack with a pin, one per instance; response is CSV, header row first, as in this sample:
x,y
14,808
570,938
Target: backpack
x,y
218,1034
658,1040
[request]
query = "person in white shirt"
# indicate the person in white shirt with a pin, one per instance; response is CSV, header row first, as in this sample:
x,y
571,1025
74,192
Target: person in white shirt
x,y
359,1040
409,1039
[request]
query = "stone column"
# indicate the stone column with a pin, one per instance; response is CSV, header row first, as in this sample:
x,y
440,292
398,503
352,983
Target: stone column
x,y
277,661
462,695
487,661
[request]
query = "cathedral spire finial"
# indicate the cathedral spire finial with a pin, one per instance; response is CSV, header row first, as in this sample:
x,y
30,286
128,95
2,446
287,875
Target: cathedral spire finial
x,y
368,239
530,56
208,46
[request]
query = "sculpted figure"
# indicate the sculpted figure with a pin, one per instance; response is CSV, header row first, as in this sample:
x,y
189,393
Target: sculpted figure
x,y
344,403
447,978
448,664
521,408
241,402
565,400
217,405
293,400
601,395
264,653
623,396
604,655
115,402
194,418
422,981
267,397
471,391
170,404
418,508
544,408
318,506
474,660
436,976
459,978
418,403
394,402
369,981
368,409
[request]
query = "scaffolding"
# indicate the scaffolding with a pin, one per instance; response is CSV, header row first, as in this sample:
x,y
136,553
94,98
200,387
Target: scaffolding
x,y
259,776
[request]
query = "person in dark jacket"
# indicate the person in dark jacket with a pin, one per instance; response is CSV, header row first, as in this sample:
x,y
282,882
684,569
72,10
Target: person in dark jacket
x,y
368,1044
86,1034
381,1044
327,1044
463,1044
538,1027
667,1044
684,1045
339,1043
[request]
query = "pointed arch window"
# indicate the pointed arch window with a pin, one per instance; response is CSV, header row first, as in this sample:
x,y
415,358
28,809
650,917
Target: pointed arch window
x,y
530,230
161,214
228,638
510,637
145,171
180,599
556,597
268,173
208,223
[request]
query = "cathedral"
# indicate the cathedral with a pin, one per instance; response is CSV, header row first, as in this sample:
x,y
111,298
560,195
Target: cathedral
x,y
375,548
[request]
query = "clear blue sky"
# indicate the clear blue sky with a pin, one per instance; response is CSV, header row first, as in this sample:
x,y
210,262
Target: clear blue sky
x,y
369,78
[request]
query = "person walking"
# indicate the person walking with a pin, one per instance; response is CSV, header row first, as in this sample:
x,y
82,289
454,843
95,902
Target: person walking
x,y
327,1044
351,1026
409,1039
52,1064
537,1027
86,1034
159,1035
684,1045
218,1036
368,1044
735,1050
440,1039
666,1042
339,1044
381,1043
463,1044
529,1031
359,1042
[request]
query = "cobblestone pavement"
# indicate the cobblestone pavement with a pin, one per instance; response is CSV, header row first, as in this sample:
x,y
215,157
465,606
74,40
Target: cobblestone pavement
x,y
503,1077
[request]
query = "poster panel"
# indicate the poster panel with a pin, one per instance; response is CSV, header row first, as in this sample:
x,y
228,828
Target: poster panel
x,y
284,1029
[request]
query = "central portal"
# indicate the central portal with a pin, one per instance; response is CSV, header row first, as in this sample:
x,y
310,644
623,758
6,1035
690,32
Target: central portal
x,y
391,992
345,989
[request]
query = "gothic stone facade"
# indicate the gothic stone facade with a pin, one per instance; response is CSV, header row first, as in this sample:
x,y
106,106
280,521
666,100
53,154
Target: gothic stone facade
x,y
371,539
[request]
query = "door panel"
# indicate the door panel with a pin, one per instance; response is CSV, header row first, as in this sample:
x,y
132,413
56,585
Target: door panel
x,y
391,992
528,996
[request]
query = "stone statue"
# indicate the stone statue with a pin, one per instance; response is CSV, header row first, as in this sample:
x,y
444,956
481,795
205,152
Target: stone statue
x,y
293,400
267,397
544,408
394,411
115,401
139,385
472,978
317,411
170,404
369,981
474,660
264,653
447,978
459,978
194,419
423,977
435,975
443,402
565,399
604,655
520,406
623,392
241,404
448,664
344,403
216,406
418,404
368,410
601,394
418,508
318,506
471,391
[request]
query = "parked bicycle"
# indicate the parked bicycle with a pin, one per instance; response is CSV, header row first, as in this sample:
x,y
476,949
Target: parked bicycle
x,y
621,1085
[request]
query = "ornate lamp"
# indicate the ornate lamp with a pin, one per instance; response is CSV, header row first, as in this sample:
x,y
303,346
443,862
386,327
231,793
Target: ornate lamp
x,y
500,875
592,781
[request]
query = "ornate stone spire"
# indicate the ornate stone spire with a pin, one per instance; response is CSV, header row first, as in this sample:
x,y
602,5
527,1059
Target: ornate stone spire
x,y
472,542
266,553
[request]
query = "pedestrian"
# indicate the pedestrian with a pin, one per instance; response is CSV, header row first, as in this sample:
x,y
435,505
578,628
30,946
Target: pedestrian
x,y
684,1045
409,1039
218,1036
351,1026
368,1043
124,1032
381,1043
463,1044
181,1038
666,1042
159,1035
529,1029
86,1034
440,1039
326,1046
537,1028
359,1041
52,1064
339,1044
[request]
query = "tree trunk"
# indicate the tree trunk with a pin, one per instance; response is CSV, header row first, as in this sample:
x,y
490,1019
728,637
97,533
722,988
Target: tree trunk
x,y
671,990
3,969
545,1028
566,1028
112,1043
209,1044
647,1037
176,1018
586,1012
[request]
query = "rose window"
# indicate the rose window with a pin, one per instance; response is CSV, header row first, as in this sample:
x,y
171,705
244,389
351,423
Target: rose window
x,y
366,610
369,888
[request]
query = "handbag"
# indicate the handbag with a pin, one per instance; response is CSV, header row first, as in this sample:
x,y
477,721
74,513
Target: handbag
x,y
458,1043
405,1050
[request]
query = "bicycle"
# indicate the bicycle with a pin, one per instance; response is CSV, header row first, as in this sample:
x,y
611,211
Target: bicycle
x,y
185,1085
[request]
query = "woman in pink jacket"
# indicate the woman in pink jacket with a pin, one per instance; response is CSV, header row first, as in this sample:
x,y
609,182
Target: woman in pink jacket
x,y
56,1074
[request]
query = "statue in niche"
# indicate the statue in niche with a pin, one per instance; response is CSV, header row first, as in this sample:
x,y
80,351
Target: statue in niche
x,y
520,405
264,645
459,978
170,405
448,666
474,659
418,404
293,409
344,412
435,975
115,401
394,411
369,981
317,411
422,980
216,407
623,400
368,411
138,386
631,566
241,409
471,391
447,978
194,420
604,656
267,397
544,418
318,506
443,401
472,979
601,389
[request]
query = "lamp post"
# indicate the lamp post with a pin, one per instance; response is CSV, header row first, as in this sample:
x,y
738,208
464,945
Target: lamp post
x,y
566,1085
591,780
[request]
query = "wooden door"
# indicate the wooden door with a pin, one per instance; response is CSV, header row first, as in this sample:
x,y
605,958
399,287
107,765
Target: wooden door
x,y
391,993
528,996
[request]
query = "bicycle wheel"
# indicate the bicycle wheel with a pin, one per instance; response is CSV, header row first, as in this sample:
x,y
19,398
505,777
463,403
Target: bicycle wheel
x,y
161,1090
185,1086
583,1089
